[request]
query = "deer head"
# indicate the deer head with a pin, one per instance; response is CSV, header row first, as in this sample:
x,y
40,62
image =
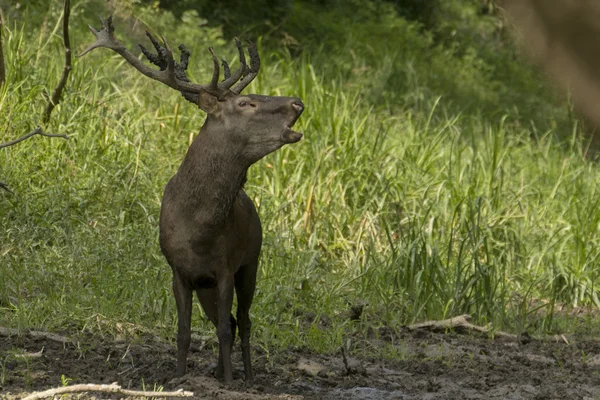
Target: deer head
x,y
258,124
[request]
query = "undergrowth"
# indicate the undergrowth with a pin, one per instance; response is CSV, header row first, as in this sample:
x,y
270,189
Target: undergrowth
x,y
416,206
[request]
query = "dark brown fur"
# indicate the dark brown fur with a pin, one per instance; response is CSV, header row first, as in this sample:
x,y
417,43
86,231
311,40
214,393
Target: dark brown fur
x,y
210,231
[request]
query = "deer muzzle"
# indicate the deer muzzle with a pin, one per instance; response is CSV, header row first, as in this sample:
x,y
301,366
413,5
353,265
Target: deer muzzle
x,y
289,135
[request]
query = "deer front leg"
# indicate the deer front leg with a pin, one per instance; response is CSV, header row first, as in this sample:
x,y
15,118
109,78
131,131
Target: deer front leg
x,y
245,283
208,300
183,299
224,332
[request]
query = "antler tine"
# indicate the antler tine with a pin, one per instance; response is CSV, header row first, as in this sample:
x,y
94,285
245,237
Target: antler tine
x,y
251,72
226,70
168,74
184,59
160,59
215,78
104,37
230,80
168,55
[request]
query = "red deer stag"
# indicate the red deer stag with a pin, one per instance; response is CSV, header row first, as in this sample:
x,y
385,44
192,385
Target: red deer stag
x,y
210,232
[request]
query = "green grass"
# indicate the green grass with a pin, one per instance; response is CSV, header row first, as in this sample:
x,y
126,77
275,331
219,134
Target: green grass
x,y
417,209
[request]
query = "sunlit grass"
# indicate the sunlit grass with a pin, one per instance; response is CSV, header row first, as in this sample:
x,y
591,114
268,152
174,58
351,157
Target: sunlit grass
x,y
420,214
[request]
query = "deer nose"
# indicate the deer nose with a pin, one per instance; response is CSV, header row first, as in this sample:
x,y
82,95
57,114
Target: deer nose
x,y
298,106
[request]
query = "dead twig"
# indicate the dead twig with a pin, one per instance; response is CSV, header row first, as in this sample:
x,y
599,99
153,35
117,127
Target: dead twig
x,y
37,334
112,388
52,101
55,99
350,370
345,359
26,355
460,322
36,131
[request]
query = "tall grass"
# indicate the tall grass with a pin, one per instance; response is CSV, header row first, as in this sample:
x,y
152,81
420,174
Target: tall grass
x,y
420,213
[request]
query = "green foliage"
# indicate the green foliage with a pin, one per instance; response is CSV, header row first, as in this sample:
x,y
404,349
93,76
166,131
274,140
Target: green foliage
x,y
419,187
418,10
235,16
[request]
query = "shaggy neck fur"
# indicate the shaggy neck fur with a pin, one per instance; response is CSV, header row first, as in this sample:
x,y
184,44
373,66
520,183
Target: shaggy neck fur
x,y
212,175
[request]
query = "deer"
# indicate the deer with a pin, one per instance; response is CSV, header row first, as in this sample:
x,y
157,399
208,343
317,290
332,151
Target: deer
x,y
209,229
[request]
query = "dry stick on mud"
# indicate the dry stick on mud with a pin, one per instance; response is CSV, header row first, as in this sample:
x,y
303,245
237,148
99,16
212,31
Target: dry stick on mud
x,y
349,369
459,322
112,388
52,101
37,334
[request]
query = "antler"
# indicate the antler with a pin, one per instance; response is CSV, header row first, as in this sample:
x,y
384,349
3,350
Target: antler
x,y
172,73
249,73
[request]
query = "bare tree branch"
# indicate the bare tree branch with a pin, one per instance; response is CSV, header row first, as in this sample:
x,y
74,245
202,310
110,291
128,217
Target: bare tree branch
x,y
2,72
52,101
55,99
36,131
112,388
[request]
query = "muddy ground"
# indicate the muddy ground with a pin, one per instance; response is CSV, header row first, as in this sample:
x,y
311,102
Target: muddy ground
x,y
433,366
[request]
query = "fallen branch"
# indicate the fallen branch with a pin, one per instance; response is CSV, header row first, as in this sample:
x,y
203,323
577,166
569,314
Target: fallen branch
x,y
36,334
458,323
26,355
112,388
55,99
36,131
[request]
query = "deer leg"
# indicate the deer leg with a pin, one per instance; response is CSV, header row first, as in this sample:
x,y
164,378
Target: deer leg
x,y
183,299
208,300
224,327
245,283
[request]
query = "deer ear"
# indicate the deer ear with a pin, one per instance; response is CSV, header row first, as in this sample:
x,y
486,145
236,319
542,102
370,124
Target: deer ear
x,y
208,103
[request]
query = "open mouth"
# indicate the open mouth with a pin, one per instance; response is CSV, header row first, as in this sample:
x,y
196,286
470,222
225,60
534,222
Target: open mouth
x,y
289,135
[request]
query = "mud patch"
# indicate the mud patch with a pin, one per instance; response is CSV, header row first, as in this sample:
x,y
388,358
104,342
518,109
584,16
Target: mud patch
x,y
433,366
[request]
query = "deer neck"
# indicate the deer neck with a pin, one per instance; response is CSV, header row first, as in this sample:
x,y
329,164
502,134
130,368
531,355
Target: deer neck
x,y
211,176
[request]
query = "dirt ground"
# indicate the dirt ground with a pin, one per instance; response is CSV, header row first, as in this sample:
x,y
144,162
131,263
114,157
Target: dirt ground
x,y
433,366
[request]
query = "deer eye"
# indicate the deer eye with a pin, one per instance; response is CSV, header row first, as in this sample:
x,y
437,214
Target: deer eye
x,y
243,103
